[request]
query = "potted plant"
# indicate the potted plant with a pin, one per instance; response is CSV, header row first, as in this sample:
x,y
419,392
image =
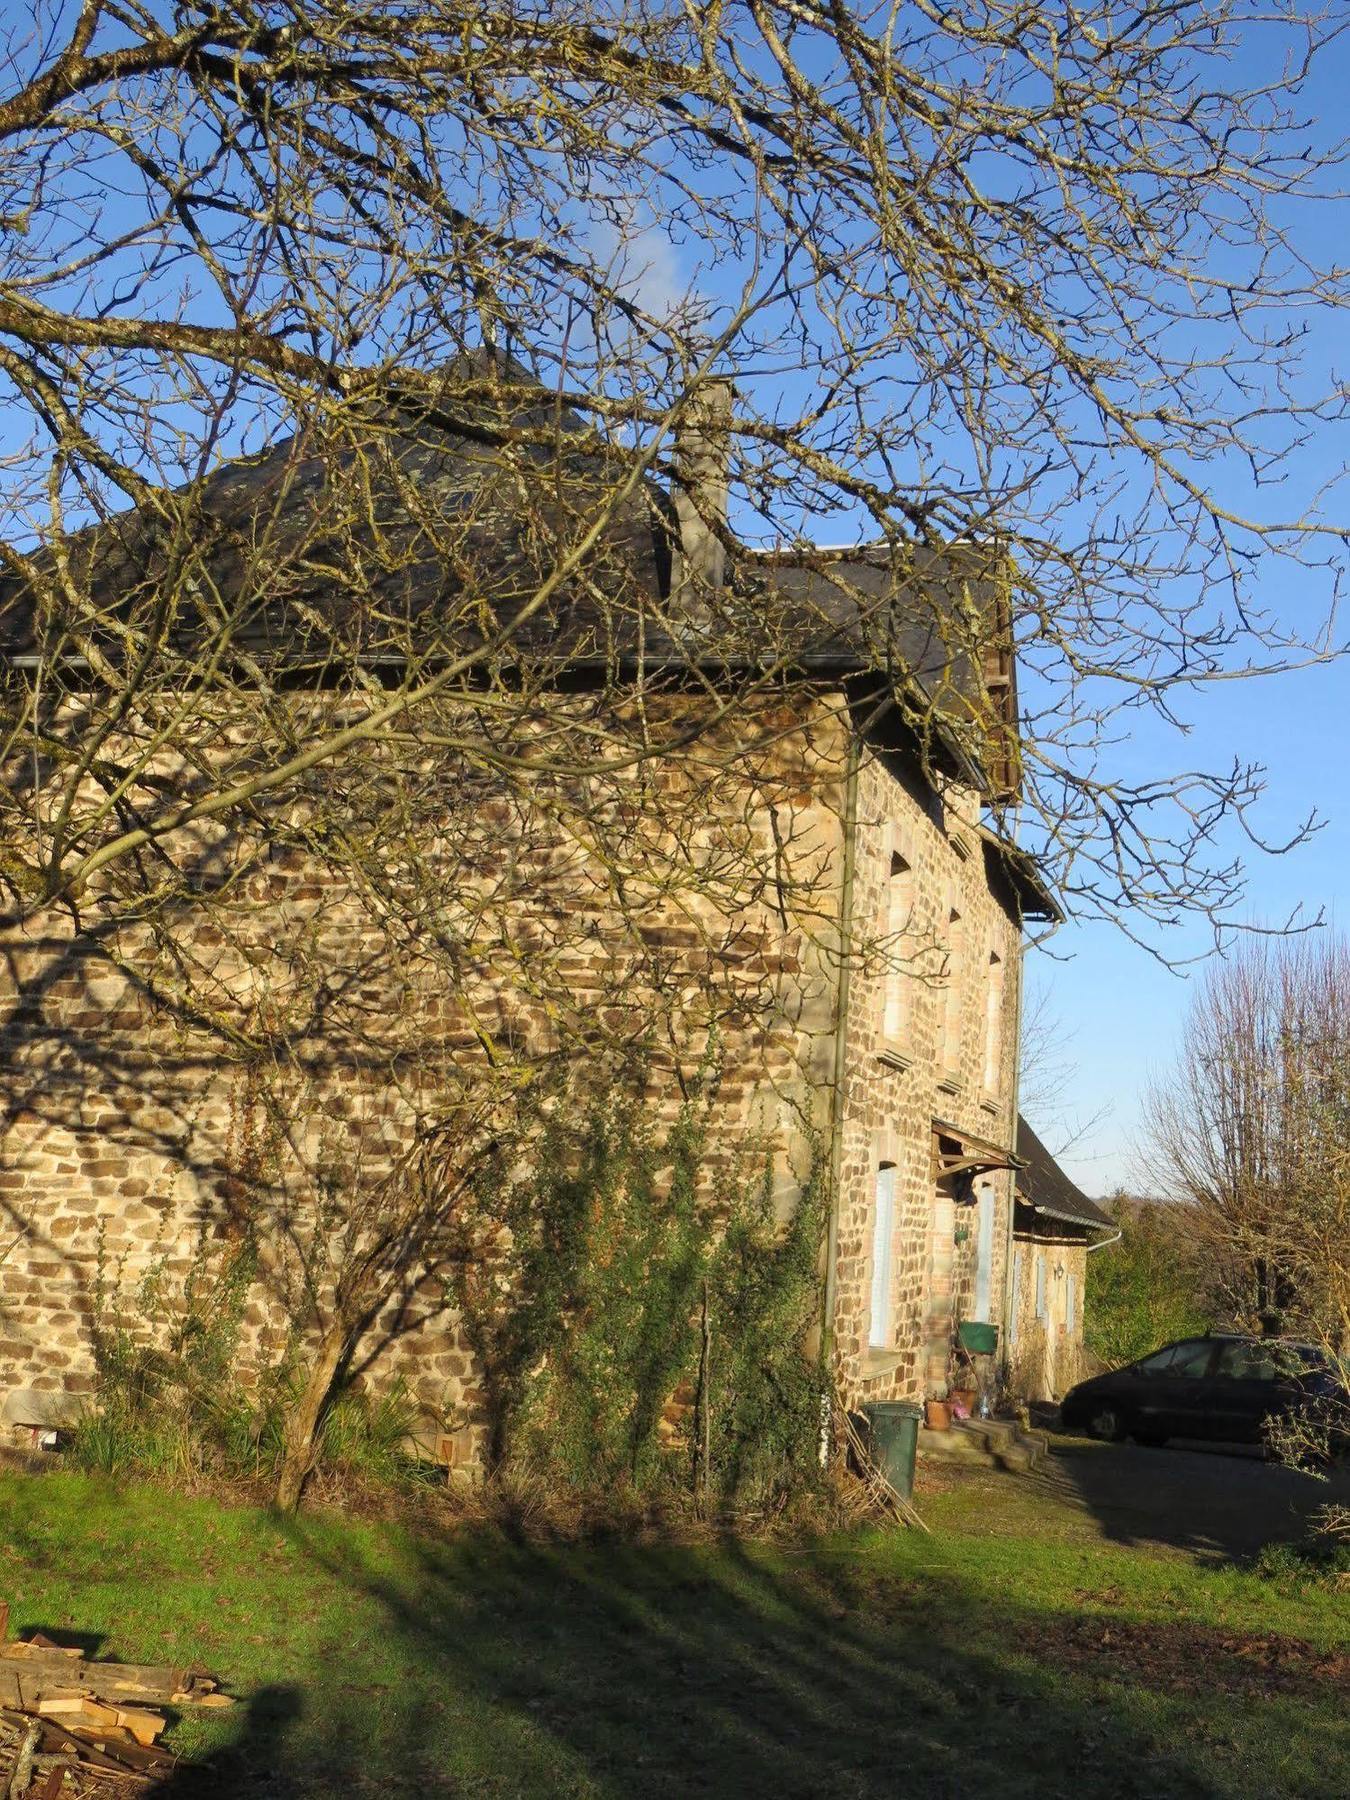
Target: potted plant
x,y
937,1413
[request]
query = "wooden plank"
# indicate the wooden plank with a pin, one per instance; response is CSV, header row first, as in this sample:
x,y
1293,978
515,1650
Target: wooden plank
x,y
51,1787
129,1759
108,1681
121,1752
144,1726
78,1709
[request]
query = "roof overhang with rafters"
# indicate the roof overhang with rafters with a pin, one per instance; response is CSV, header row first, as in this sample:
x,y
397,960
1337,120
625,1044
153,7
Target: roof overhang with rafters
x,y
957,1151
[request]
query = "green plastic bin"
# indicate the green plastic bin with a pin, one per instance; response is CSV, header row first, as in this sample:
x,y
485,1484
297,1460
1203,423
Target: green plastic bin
x,y
977,1337
893,1427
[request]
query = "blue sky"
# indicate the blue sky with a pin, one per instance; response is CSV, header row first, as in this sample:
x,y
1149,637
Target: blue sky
x,y
1120,1010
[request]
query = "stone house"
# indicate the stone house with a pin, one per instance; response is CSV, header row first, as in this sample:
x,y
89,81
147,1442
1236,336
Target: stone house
x,y
874,997
1055,1226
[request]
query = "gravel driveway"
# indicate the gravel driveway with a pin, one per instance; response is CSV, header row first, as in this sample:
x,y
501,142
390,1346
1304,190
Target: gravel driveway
x,y
1215,1502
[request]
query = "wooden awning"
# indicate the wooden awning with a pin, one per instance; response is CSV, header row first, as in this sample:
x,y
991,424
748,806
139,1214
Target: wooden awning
x,y
957,1151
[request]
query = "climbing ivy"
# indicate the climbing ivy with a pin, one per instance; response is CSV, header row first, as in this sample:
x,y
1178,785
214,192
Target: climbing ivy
x,y
630,1302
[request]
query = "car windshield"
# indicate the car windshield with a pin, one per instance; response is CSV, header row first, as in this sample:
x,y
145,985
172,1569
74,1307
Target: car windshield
x,y
1190,1358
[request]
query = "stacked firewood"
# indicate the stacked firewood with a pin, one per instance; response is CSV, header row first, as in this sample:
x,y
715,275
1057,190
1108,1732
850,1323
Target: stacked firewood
x,y
74,1729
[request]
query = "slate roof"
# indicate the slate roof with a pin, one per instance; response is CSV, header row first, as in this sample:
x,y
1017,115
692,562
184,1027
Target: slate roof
x,y
1045,1188
425,548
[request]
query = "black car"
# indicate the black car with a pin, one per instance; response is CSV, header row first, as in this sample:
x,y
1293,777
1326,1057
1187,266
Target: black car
x,y
1210,1387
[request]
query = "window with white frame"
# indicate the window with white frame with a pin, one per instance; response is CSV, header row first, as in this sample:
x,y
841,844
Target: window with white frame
x,y
1071,1303
984,1261
1041,1313
899,945
883,1238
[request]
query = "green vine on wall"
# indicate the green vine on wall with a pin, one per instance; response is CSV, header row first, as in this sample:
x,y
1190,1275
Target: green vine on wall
x,y
638,1313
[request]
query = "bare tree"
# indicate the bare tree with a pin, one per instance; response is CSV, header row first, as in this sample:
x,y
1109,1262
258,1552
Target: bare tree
x,y
1253,1127
983,275
1046,1069
392,600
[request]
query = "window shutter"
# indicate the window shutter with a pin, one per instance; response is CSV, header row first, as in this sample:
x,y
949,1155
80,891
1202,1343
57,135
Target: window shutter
x,y
883,1231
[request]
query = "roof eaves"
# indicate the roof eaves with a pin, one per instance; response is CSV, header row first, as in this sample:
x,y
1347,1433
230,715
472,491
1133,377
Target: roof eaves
x,y
1066,1215
1034,894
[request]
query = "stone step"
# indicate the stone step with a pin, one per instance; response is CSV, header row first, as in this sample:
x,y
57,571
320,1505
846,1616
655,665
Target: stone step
x,y
1002,1435
986,1443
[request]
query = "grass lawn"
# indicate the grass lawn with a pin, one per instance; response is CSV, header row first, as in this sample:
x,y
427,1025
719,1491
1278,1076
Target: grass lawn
x,y
1011,1653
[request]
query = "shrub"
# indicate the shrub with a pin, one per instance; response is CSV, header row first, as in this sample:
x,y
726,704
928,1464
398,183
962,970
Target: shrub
x,y
1147,1289
1321,1560
171,1399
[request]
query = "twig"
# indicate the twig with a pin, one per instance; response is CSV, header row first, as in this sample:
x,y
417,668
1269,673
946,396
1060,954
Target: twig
x,y
877,1487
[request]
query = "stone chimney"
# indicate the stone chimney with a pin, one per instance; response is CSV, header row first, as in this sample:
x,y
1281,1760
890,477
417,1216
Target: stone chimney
x,y
702,478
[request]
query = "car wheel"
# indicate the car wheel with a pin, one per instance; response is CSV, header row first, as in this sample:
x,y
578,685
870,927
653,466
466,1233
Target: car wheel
x,y
1106,1421
1151,1440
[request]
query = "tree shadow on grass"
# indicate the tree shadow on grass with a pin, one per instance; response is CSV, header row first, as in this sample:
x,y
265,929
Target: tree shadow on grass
x,y
617,1670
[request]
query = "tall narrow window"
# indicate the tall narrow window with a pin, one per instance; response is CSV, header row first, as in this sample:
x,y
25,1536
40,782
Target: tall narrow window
x,y
953,1010
899,902
1071,1303
1015,1314
1040,1285
883,1232
984,1267
993,1024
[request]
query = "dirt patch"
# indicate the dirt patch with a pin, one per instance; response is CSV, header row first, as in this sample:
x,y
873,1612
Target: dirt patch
x,y
1187,1659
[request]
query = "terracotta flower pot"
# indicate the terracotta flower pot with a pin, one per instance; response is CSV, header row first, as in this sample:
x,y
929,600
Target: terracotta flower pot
x,y
964,1396
937,1415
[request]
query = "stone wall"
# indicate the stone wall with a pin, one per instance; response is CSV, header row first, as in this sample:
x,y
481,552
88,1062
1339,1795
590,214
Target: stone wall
x,y
144,1130
136,1140
922,1046
1046,1349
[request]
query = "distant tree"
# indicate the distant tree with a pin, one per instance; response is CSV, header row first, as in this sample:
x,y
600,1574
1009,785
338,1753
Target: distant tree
x,y
1046,1071
1252,1126
1152,1286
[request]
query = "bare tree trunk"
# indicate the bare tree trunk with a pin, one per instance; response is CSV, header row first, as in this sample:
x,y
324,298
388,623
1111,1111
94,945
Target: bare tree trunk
x,y
303,1423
